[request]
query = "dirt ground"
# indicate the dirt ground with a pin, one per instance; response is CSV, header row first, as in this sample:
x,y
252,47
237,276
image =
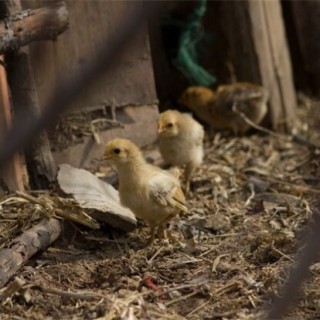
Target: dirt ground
x,y
249,205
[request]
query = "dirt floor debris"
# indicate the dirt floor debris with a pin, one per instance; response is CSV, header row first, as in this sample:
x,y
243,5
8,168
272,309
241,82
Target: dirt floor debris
x,y
249,206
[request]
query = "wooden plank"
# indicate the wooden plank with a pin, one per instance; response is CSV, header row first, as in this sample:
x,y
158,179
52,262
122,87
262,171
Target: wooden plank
x,y
139,126
89,22
281,62
259,51
262,48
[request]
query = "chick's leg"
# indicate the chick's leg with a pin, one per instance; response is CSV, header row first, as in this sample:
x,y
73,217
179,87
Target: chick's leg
x,y
160,232
188,172
163,225
152,236
211,135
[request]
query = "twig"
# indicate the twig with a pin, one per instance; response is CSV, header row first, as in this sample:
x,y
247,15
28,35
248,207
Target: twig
x,y
293,186
181,298
186,286
198,308
104,239
228,235
206,252
227,287
251,301
182,263
217,261
67,294
282,254
109,121
29,198
155,255
252,124
252,195
296,138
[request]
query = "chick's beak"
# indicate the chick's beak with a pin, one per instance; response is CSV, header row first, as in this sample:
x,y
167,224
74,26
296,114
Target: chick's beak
x,y
160,129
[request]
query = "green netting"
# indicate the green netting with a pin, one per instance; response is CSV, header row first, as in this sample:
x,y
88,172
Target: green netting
x,y
186,60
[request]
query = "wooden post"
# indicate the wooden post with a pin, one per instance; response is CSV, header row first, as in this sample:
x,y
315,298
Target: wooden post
x,y
12,173
41,166
259,51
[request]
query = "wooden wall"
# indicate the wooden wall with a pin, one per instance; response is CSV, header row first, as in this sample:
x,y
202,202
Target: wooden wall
x,y
89,22
303,29
129,87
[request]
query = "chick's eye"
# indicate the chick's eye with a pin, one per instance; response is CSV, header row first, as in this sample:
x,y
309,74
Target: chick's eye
x,y
116,150
170,125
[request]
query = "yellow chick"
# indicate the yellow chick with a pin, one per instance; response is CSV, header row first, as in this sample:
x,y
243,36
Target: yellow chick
x,y
154,195
221,108
181,141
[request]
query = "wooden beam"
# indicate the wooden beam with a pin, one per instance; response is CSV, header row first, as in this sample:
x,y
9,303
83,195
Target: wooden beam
x,y
33,25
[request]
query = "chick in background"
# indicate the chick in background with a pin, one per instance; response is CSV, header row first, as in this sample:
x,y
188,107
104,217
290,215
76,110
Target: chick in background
x,y
181,141
221,108
154,195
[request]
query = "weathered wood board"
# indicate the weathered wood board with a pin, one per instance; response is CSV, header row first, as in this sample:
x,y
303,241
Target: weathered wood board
x,y
139,126
132,83
259,51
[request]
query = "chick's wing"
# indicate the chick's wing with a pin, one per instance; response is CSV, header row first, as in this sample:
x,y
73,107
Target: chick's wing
x,y
165,191
199,135
239,96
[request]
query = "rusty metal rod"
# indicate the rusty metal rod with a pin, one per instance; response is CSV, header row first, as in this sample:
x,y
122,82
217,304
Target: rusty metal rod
x,y
290,291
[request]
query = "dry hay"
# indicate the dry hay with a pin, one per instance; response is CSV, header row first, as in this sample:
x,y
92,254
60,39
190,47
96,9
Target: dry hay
x,y
249,205
21,211
71,129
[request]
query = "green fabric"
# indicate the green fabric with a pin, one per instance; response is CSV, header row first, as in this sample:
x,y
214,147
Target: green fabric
x,y
186,60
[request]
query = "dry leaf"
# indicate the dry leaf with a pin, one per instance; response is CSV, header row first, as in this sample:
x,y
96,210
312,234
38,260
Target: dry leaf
x,y
92,193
